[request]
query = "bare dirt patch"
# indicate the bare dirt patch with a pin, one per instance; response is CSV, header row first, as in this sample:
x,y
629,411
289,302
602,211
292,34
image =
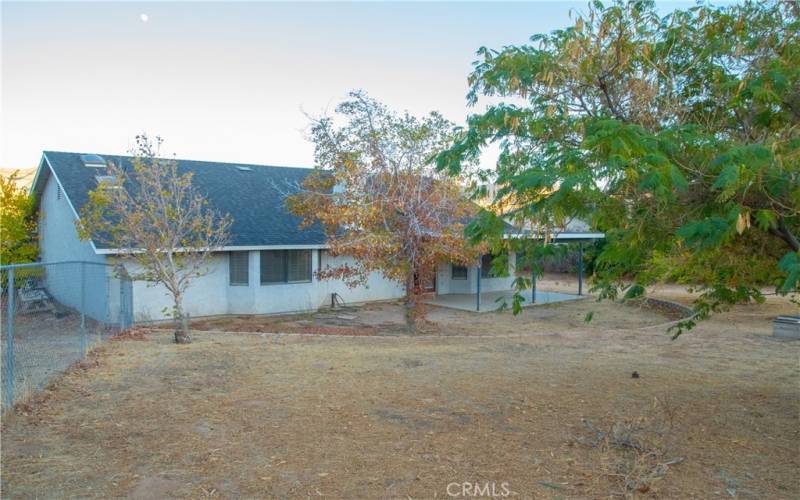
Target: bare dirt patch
x,y
714,414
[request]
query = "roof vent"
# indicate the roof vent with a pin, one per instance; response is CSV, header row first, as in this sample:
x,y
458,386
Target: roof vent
x,y
94,161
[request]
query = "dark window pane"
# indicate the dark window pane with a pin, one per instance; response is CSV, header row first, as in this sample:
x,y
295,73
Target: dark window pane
x,y
239,269
273,266
486,266
299,265
459,272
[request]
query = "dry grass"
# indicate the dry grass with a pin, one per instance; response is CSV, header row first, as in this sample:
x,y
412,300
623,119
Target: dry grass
x,y
248,415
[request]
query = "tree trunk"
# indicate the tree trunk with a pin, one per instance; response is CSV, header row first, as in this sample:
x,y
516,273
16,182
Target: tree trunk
x,y
787,235
181,323
411,305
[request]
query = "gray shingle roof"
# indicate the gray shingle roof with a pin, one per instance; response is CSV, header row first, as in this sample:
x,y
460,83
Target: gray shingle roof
x,y
255,199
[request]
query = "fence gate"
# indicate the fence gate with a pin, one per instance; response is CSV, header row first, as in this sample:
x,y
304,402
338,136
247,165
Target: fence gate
x,y
52,314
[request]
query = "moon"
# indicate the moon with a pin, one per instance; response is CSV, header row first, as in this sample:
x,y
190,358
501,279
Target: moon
x,y
144,17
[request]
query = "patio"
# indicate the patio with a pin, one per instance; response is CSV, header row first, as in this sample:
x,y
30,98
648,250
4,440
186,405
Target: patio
x,y
492,301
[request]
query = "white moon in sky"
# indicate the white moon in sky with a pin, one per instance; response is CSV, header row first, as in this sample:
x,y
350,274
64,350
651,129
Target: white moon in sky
x,y
143,17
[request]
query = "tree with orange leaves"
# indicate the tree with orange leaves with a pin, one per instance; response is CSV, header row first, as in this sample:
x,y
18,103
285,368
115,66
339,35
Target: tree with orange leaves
x,y
380,200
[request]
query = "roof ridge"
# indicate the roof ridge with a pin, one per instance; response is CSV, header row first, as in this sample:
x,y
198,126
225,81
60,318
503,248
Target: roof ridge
x,y
111,156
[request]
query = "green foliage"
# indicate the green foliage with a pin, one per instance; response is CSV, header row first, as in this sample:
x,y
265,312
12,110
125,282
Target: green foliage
x,y
17,223
790,264
678,136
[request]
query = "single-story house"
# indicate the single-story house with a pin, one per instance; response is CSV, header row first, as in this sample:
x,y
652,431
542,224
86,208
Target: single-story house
x,y
270,263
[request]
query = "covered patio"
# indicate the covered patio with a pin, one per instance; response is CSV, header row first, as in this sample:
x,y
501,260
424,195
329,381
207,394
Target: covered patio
x,y
472,296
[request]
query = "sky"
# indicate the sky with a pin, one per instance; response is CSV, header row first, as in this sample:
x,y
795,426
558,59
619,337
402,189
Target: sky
x,y
234,81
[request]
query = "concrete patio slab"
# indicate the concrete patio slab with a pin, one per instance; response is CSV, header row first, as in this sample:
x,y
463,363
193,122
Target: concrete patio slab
x,y
492,301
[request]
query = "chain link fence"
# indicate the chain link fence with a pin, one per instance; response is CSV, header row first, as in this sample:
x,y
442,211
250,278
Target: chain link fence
x,y
51,314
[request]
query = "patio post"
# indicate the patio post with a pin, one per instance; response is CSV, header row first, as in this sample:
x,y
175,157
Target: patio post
x,y
478,295
580,268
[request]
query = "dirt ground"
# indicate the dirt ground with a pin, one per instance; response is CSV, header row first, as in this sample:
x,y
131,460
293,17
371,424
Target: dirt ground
x,y
45,344
543,405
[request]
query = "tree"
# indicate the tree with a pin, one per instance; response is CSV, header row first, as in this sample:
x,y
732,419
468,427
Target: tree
x,y
17,222
151,213
679,136
379,199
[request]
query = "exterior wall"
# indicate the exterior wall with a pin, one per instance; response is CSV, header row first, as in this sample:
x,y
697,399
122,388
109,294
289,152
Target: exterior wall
x,y
212,294
206,295
59,242
445,284
377,287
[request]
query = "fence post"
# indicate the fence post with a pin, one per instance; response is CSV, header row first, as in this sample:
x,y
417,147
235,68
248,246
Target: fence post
x,y
83,309
10,341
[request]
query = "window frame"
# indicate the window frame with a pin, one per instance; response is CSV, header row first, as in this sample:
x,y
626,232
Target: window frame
x,y
247,268
285,267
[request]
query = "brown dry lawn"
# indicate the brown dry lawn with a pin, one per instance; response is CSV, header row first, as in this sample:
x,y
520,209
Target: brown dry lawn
x,y
236,415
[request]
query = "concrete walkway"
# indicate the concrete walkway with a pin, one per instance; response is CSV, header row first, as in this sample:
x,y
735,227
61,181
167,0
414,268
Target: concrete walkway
x,y
491,301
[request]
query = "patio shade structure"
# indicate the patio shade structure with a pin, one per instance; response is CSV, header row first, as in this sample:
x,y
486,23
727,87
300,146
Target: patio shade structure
x,y
579,237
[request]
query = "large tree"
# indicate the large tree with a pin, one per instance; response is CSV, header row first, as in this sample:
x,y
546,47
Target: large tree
x,y
380,200
158,221
17,222
677,135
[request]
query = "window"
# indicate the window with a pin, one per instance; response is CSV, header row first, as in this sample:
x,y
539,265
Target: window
x,y
486,266
299,265
285,266
273,263
459,272
239,268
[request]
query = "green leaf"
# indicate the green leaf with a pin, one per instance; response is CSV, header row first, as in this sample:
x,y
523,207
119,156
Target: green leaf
x,y
765,219
727,177
679,181
705,233
790,264
634,291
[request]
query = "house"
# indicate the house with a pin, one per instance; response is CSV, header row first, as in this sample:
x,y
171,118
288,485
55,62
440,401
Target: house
x,y
269,264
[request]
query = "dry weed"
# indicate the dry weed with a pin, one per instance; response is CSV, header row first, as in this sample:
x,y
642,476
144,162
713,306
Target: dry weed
x,y
637,453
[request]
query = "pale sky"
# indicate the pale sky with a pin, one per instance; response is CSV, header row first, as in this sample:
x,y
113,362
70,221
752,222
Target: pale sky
x,y
231,81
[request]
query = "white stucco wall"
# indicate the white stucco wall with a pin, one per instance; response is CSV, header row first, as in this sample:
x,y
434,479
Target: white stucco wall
x,y
377,288
445,284
213,295
206,296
